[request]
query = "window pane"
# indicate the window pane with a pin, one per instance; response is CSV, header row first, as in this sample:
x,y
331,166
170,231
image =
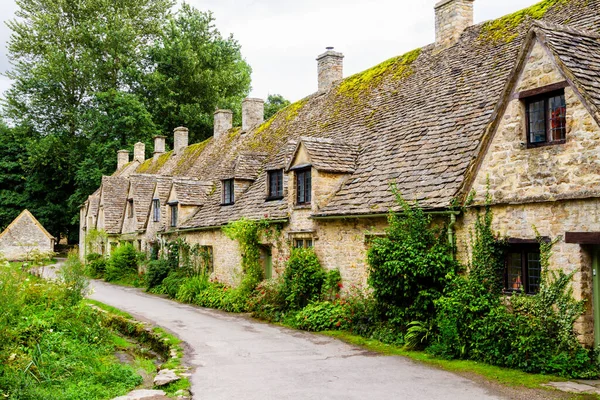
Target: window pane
x,y
537,122
514,278
279,180
156,205
534,271
300,187
309,243
308,187
299,243
173,215
557,111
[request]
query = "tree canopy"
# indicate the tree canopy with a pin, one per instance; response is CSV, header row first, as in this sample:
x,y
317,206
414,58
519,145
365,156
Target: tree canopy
x,y
93,76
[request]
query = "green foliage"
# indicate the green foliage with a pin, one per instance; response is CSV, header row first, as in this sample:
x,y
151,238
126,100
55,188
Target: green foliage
x,y
303,278
321,316
122,262
13,197
410,266
418,334
72,276
196,70
191,287
156,272
332,284
96,265
53,346
274,103
267,301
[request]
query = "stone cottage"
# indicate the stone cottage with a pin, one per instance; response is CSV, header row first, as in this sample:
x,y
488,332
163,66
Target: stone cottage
x,y
509,107
24,237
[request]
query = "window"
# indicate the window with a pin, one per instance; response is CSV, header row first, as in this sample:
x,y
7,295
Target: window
x,y
173,214
130,208
303,186
523,268
546,119
275,185
303,243
228,191
155,210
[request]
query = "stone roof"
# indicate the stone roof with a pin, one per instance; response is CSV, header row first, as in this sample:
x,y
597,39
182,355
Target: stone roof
x,y
191,192
418,120
114,196
579,52
329,155
141,191
247,166
26,214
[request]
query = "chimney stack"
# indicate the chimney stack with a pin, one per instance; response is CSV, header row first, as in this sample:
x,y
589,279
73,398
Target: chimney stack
x,y
452,17
139,152
180,139
122,158
223,122
159,146
253,113
330,67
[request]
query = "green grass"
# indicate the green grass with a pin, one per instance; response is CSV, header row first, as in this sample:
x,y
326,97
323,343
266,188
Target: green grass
x,y
109,309
504,376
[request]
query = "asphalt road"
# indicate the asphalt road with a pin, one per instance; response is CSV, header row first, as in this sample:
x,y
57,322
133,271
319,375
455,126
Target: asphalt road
x,y
235,357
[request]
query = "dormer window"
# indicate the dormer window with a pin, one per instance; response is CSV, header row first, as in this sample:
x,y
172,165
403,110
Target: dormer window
x,y
275,183
546,119
130,208
228,192
174,210
303,186
155,210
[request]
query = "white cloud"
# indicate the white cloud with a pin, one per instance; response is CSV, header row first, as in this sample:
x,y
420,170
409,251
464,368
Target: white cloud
x,y
281,38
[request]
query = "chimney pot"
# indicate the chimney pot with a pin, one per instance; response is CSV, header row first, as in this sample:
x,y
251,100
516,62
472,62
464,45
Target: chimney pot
x,y
330,68
253,113
139,152
180,139
122,158
159,146
452,17
223,122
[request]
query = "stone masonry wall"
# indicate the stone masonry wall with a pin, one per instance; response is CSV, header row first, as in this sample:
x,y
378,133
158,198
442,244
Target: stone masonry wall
x,y
22,239
452,17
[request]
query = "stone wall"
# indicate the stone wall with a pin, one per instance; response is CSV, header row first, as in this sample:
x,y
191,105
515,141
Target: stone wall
x,y
253,113
23,238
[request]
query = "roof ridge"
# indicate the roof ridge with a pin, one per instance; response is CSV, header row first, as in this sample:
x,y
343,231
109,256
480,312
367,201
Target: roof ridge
x,y
549,26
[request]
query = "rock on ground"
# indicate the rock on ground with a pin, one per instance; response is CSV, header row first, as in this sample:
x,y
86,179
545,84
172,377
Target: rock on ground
x,y
144,394
165,377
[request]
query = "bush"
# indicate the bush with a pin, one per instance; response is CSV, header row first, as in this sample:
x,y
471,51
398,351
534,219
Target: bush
x,y
303,279
122,262
191,287
96,265
156,272
321,316
267,301
170,285
410,267
219,296
332,284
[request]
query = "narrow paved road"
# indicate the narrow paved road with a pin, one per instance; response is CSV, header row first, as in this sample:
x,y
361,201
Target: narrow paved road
x,y
238,358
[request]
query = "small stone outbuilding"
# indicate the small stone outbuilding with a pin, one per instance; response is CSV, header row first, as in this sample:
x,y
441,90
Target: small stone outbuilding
x,y
24,237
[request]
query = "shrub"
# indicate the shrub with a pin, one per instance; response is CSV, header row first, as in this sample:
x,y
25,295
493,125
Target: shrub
x,y
321,316
172,282
410,266
72,276
156,272
332,284
122,262
267,300
302,279
191,287
361,310
219,296
96,265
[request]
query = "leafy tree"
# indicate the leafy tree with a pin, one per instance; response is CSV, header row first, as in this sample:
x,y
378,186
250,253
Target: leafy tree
x,y
12,176
274,103
196,70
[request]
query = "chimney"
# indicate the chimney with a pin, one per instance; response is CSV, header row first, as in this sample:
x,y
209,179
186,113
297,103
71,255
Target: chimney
x,y
452,17
122,158
139,152
330,67
159,146
180,139
253,113
223,122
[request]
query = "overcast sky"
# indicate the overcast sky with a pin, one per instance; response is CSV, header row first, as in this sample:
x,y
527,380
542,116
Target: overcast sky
x,y
281,38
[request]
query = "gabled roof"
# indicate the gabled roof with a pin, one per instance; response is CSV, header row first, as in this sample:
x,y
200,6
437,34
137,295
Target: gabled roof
x,y
328,155
26,214
190,192
142,189
247,166
114,196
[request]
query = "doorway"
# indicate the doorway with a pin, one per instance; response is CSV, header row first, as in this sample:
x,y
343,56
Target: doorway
x,y
266,259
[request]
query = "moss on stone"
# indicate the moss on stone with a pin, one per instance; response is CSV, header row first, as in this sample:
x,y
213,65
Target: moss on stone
x,y
397,67
189,155
152,167
505,29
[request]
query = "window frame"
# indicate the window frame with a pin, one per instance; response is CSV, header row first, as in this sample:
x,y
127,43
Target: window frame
x,y
304,173
231,184
544,95
278,193
130,208
304,243
174,214
524,249
155,210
